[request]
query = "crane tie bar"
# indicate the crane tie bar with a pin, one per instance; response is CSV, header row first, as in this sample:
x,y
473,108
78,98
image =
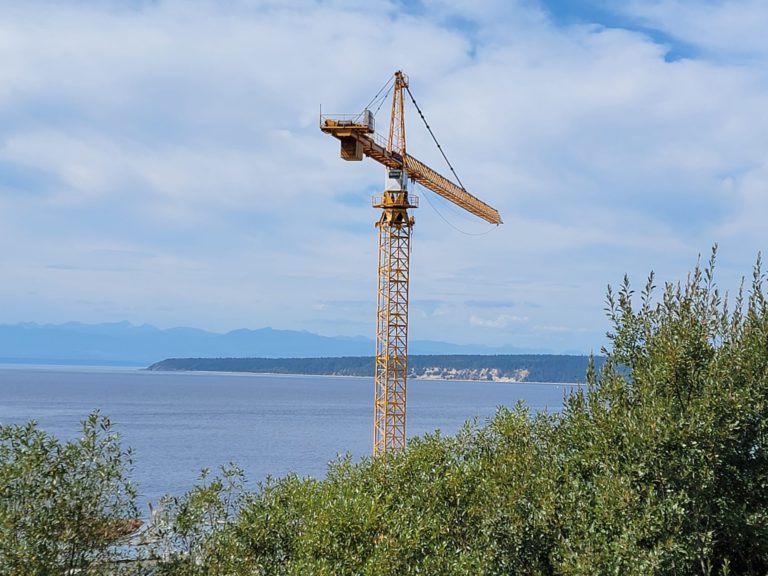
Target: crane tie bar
x,y
458,180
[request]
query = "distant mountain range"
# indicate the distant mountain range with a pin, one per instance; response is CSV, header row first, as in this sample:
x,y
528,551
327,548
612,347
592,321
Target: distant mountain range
x,y
123,343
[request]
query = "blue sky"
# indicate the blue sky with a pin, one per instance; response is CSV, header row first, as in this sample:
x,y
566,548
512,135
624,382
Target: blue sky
x,y
160,162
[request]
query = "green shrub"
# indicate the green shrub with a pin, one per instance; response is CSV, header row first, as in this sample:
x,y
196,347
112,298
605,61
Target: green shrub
x,y
63,506
658,467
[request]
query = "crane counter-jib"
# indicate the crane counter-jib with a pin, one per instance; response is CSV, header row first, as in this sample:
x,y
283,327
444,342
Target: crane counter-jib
x,y
358,140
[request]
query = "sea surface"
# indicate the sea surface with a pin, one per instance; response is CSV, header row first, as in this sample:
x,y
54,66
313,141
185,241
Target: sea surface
x,y
180,422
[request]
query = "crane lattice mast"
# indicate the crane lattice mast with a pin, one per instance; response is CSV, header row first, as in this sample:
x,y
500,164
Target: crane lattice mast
x,y
358,139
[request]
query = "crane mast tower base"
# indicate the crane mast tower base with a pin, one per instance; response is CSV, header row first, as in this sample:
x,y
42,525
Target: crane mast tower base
x,y
391,371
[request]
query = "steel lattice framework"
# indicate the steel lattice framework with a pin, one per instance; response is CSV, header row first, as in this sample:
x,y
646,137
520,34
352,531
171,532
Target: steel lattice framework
x,y
395,226
358,139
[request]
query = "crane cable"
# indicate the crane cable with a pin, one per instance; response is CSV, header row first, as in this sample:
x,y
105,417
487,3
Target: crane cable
x,y
386,87
451,224
452,171
383,99
435,138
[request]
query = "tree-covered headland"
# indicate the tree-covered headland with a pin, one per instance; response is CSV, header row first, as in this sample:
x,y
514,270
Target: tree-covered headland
x,y
481,367
657,467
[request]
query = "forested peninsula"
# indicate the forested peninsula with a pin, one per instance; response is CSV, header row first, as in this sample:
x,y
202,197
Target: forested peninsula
x,y
494,368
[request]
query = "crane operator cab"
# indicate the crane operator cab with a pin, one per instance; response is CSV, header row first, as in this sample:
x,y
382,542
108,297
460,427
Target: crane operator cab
x,y
395,200
396,185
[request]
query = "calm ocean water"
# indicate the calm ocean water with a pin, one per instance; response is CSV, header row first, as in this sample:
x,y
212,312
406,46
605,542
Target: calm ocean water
x,y
178,423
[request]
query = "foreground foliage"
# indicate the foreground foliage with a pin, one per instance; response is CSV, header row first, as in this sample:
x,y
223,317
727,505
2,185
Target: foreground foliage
x,y
658,466
63,506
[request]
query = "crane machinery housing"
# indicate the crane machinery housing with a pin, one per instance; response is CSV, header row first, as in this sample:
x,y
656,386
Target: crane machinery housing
x,y
359,139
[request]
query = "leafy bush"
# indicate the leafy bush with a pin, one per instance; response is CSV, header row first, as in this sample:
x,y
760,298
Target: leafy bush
x,y
670,454
63,506
187,535
657,467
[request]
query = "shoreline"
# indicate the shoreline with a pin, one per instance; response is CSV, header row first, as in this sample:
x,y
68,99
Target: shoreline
x,y
292,375
145,369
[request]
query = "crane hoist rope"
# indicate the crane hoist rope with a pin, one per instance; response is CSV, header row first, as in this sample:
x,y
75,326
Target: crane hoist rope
x,y
435,209
358,137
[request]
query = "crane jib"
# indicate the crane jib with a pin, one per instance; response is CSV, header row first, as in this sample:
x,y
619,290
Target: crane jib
x,y
358,141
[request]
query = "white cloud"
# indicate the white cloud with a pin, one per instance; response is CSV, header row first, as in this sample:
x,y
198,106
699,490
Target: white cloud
x,y
185,133
500,321
724,28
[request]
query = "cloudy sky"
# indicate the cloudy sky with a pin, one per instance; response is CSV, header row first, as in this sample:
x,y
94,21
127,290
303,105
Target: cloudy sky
x,y
160,161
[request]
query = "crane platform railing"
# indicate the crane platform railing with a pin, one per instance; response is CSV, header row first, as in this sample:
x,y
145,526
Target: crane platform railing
x,y
362,121
378,200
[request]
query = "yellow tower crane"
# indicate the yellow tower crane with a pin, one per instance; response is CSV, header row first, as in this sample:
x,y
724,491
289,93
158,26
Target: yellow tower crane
x,y
358,139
